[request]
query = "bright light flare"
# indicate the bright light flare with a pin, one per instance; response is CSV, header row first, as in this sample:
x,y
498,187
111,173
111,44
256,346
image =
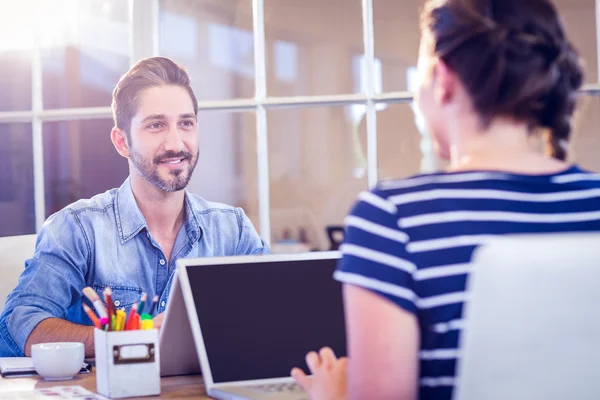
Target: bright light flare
x,y
55,22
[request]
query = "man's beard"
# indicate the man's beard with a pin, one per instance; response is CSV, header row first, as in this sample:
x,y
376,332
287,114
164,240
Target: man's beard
x,y
178,178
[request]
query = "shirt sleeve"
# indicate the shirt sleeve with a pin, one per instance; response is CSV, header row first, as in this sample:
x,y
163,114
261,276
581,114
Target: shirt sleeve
x,y
52,280
250,242
374,252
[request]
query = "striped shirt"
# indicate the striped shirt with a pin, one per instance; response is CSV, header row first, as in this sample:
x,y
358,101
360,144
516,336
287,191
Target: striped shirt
x,y
411,241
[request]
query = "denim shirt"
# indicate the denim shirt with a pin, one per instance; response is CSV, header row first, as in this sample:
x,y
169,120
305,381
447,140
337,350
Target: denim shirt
x,y
104,241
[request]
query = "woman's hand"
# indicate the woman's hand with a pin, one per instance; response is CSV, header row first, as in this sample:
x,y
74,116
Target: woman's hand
x,y
329,376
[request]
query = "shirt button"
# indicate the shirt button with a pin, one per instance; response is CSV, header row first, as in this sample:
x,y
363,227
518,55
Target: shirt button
x,y
162,262
162,304
117,303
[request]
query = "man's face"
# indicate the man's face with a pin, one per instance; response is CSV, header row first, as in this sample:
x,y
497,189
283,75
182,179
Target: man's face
x,y
164,137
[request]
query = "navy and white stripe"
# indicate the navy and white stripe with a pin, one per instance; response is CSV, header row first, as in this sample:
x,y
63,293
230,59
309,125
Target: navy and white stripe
x,y
412,240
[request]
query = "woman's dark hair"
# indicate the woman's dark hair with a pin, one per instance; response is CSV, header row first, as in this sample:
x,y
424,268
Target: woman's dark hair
x,y
513,58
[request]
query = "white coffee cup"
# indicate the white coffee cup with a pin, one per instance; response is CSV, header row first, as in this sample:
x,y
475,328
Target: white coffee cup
x,y
58,361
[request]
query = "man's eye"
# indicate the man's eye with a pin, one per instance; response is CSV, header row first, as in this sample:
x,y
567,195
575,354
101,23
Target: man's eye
x,y
155,125
187,123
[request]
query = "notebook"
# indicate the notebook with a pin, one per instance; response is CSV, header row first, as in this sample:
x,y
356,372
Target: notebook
x,y
23,366
55,393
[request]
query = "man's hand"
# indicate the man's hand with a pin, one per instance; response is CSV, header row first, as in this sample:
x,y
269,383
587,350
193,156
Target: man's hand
x,y
158,320
329,376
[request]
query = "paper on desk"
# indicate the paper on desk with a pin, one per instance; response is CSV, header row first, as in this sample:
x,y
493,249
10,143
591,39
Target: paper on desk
x,y
57,392
12,364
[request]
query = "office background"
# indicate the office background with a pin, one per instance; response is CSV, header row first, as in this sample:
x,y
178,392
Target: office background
x,y
303,103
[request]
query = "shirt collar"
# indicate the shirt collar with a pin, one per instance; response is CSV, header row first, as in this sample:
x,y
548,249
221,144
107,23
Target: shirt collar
x,y
131,221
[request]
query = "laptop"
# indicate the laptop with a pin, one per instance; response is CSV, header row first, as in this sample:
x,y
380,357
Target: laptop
x,y
176,343
532,321
254,318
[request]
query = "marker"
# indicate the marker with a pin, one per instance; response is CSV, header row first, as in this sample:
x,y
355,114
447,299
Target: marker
x,y
120,320
147,324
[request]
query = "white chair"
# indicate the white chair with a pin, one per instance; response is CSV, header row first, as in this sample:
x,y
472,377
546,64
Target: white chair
x,y
532,330
14,250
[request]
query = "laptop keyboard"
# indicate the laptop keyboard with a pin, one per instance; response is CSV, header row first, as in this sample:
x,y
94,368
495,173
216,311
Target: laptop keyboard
x,y
278,388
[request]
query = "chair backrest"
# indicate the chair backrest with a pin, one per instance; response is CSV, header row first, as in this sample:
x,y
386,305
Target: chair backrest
x,y
14,250
532,325
335,233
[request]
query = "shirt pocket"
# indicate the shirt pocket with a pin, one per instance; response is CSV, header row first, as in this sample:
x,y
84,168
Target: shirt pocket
x,y
122,296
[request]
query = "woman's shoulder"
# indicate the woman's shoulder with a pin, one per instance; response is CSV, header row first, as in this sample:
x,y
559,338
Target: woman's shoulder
x,y
488,179
437,180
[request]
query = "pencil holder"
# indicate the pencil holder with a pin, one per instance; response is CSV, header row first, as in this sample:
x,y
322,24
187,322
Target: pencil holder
x,y
127,363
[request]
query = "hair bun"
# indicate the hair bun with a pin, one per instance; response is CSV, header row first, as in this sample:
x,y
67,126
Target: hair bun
x,y
513,59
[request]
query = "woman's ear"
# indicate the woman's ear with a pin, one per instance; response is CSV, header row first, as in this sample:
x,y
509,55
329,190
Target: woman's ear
x,y
445,83
120,141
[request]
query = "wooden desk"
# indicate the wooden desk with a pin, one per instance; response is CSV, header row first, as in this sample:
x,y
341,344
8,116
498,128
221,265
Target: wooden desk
x,y
178,387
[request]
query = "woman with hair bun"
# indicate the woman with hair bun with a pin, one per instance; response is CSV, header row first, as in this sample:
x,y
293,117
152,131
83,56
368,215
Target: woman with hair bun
x,y
492,73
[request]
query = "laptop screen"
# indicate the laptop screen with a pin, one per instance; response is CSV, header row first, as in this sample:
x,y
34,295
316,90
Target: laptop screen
x,y
259,320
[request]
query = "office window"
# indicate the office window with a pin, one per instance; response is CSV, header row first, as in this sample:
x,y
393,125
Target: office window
x,y
85,49
584,148
399,142
227,169
396,27
317,167
67,56
579,17
397,35
213,39
80,161
15,78
16,44
313,42
17,209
